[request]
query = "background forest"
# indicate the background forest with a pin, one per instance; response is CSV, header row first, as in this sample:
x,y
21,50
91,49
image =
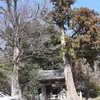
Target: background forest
x,y
30,38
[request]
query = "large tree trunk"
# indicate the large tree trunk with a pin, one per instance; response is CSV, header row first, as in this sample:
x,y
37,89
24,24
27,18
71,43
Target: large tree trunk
x,y
15,88
71,91
70,87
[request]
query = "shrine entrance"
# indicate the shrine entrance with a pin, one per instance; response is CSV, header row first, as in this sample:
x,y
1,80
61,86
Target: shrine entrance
x,y
53,85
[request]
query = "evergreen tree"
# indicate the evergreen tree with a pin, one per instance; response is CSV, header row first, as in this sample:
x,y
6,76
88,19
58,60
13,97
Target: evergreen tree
x,y
86,29
62,14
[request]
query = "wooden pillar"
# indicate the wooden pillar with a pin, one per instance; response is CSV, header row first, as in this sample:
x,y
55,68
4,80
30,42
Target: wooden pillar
x,y
61,92
61,87
43,92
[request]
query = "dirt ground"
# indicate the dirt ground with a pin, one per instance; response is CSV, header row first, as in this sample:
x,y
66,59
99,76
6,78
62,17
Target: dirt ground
x,y
92,98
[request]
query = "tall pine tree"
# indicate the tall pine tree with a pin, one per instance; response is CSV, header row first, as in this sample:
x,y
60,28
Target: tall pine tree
x,y
62,14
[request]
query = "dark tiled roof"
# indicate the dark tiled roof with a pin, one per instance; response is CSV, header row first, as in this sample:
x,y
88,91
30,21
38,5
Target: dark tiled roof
x,y
51,74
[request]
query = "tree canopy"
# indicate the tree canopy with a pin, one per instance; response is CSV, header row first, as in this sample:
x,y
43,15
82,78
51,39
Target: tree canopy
x,y
39,42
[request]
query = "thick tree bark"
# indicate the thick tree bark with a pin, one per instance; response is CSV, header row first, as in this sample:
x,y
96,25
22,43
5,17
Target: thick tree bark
x,y
15,89
70,87
71,91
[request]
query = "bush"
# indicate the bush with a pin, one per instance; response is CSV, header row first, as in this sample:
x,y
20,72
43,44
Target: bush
x,y
94,90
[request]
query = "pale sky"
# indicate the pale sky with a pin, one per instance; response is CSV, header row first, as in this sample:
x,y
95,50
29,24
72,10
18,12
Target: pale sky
x,y
91,4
